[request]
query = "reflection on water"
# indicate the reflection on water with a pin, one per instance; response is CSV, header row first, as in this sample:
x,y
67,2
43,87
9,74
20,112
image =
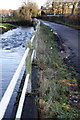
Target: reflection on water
x,y
12,47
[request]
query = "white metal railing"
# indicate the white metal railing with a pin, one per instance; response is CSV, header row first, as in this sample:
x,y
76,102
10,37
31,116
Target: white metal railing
x,y
31,53
19,111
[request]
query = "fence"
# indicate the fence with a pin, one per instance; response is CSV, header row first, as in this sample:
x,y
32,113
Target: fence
x,y
28,56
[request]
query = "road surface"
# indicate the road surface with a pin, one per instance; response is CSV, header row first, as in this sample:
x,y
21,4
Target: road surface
x,y
70,37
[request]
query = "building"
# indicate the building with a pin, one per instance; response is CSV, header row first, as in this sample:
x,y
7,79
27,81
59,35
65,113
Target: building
x,y
6,13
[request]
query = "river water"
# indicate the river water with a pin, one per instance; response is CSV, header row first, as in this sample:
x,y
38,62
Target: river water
x,y
12,48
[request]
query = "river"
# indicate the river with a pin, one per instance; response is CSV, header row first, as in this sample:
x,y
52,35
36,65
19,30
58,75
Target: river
x,y
12,47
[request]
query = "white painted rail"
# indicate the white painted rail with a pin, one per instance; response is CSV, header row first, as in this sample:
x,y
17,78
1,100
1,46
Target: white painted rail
x,y
8,93
31,49
20,107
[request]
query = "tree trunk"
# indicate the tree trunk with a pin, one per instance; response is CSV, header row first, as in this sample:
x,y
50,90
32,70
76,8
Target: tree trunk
x,y
73,8
63,8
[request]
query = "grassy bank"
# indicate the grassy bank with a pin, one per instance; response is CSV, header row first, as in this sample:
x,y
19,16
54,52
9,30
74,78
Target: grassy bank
x,y
17,21
4,27
9,23
58,95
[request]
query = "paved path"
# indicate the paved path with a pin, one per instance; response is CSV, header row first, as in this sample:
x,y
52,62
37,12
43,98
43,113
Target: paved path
x,y
69,36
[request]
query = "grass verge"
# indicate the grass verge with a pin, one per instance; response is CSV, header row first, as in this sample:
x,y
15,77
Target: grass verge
x,y
58,94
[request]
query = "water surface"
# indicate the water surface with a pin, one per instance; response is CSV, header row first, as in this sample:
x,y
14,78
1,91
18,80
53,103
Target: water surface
x,y
12,48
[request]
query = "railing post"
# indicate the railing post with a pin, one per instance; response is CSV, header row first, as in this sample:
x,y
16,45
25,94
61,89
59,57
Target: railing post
x,y
36,37
28,65
33,44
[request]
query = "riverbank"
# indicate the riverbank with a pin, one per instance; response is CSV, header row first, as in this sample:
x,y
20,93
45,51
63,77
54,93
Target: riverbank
x,y
8,25
4,27
58,91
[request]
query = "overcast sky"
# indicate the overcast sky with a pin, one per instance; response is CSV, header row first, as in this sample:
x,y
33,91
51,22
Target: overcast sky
x,y
14,4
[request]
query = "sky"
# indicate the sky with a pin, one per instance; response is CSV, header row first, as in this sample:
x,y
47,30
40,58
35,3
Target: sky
x,y
15,4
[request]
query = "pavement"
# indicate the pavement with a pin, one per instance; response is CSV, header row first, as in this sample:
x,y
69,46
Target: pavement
x,y
71,38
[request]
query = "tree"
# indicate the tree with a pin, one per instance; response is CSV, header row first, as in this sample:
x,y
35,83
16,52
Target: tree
x,y
57,6
62,6
74,5
78,8
48,3
42,13
78,5
28,10
33,8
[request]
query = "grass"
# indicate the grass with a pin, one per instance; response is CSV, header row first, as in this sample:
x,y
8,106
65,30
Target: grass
x,y
1,26
5,27
57,82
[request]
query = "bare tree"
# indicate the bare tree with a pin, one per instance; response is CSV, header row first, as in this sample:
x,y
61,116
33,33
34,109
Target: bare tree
x,y
73,6
48,3
63,5
58,6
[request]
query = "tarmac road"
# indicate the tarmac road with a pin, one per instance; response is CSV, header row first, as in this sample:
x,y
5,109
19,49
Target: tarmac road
x,y
70,37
